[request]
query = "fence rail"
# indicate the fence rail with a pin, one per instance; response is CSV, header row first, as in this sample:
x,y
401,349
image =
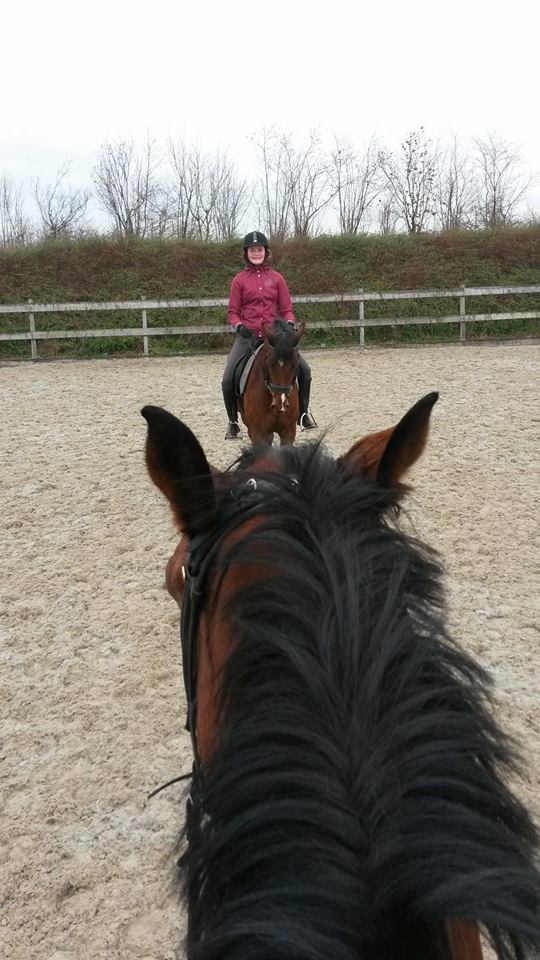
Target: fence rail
x,y
361,297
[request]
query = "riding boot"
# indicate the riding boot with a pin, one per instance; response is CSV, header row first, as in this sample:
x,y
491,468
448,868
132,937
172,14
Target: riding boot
x,y
305,420
233,430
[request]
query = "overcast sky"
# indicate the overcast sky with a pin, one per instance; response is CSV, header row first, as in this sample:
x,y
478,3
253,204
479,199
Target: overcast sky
x,y
73,75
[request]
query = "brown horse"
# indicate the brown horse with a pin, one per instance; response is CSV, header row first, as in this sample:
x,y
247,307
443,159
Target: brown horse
x,y
270,400
348,797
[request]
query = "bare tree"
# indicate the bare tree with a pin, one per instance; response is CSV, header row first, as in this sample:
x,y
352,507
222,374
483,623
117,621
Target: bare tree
x,y
295,184
205,198
231,197
126,184
182,187
309,184
387,215
274,196
62,209
15,227
357,183
500,183
410,177
159,217
219,198
453,192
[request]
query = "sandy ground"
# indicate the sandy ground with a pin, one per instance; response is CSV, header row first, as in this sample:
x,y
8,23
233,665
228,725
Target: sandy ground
x,y
91,699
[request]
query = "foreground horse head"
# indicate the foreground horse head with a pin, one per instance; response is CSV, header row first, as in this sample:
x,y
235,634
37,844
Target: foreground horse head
x,y
349,797
270,401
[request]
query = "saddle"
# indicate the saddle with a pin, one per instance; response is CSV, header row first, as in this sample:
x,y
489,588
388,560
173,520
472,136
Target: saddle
x,y
242,371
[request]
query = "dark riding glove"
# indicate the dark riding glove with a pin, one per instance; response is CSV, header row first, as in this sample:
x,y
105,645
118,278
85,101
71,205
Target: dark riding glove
x,y
244,331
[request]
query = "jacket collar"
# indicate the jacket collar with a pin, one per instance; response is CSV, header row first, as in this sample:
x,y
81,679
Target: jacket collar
x,y
251,268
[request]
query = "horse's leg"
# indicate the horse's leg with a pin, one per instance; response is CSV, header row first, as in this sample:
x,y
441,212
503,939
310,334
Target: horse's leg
x,y
288,435
287,427
259,437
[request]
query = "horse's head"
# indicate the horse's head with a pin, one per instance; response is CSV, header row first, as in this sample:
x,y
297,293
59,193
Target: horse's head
x,y
222,517
347,775
281,361
200,495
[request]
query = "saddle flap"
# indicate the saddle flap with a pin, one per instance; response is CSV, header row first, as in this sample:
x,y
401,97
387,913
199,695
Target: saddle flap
x,y
243,370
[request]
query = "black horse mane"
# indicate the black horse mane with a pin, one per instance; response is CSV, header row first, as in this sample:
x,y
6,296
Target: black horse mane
x,y
358,787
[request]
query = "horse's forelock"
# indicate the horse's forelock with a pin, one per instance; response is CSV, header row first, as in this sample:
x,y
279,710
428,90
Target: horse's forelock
x,y
283,340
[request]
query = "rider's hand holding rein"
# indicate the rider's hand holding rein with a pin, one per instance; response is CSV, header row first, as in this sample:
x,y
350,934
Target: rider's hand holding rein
x,y
244,331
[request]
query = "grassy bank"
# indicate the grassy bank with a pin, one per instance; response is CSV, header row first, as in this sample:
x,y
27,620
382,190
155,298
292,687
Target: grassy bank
x,y
102,269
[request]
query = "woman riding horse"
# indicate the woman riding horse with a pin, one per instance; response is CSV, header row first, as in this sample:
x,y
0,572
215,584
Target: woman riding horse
x,y
258,294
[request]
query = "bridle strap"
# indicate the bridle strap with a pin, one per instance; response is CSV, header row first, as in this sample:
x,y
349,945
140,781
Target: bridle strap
x,y
278,387
203,548
203,551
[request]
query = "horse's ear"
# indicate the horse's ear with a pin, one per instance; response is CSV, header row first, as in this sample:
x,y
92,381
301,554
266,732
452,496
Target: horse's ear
x,y
269,333
386,456
300,331
177,465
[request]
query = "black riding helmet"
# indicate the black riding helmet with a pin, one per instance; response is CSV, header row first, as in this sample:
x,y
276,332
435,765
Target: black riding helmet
x,y
255,239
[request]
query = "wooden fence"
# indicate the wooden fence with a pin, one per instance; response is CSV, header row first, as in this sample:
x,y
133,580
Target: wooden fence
x,y
361,297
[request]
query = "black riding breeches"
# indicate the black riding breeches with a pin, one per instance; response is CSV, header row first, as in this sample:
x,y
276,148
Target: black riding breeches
x,y
240,349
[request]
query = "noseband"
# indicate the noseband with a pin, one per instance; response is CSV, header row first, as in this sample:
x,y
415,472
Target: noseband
x,y
279,388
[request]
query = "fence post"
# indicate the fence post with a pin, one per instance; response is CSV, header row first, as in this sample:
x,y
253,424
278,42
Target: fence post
x,y
145,327
361,316
462,314
32,323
